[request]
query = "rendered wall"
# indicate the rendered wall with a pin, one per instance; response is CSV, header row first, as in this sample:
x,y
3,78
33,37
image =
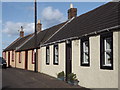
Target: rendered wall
x,y
119,60
30,65
51,69
12,62
39,59
22,64
7,58
93,76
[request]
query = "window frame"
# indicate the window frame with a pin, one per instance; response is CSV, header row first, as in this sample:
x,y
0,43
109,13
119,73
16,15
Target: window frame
x,y
84,39
12,56
102,51
33,57
54,54
47,62
20,57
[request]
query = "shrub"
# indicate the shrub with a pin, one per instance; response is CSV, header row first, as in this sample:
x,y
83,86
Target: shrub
x,y
61,74
71,77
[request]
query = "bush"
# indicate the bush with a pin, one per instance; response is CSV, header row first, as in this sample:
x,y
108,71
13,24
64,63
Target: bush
x,y
61,74
71,77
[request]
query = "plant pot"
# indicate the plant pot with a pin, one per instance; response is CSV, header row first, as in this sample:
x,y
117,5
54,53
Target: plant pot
x,y
61,78
71,83
76,82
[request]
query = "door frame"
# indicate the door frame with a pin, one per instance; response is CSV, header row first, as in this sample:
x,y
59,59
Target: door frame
x,y
8,58
26,60
68,67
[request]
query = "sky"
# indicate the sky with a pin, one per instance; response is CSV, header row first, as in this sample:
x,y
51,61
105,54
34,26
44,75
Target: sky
x,y
16,14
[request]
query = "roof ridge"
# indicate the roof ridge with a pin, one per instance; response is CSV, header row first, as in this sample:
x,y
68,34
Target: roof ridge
x,y
60,28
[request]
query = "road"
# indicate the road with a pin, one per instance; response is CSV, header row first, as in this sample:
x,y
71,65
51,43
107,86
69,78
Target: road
x,y
17,78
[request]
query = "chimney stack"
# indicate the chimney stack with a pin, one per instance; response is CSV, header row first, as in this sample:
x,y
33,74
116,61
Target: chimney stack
x,y
21,32
72,12
39,26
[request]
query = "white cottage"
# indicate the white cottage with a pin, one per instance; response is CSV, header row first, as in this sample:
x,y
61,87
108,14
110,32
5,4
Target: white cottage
x,y
87,45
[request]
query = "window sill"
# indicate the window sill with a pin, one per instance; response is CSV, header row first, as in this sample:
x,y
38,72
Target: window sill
x,y
106,67
55,63
85,64
47,64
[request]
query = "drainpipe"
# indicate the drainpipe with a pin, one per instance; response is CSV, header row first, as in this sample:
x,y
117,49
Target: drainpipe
x,y
35,66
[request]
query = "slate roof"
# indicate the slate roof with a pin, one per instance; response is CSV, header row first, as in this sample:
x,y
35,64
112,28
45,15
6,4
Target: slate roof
x,y
100,18
41,37
17,43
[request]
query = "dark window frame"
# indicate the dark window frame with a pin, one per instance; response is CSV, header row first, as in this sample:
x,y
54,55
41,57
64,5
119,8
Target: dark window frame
x,y
13,56
54,54
20,57
47,55
83,39
102,48
33,57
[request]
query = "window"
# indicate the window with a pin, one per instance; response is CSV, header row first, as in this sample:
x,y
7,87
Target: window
x,y
33,56
85,52
47,55
12,55
20,57
55,62
106,53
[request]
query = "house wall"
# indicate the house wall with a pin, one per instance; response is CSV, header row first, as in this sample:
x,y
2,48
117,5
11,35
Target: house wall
x,y
119,60
7,58
39,59
93,76
30,65
22,64
12,63
51,69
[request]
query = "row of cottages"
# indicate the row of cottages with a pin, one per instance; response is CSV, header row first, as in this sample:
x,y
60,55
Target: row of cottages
x,y
87,45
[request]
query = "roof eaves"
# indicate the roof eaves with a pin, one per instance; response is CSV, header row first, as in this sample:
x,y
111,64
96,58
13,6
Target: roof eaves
x,y
89,34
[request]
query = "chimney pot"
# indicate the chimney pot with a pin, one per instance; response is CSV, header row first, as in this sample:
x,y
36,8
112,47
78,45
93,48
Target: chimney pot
x,y
71,5
39,26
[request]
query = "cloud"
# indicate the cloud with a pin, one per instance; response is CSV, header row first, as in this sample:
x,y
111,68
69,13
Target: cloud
x,y
51,16
11,28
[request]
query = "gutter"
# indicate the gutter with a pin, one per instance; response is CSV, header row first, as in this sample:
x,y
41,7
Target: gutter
x,y
89,34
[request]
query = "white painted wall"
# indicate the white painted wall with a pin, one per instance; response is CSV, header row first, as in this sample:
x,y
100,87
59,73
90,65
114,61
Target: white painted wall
x,y
93,76
39,59
30,65
53,69
119,60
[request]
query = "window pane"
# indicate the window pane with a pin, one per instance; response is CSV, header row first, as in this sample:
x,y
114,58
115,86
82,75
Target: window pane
x,y
108,43
85,52
56,54
48,55
107,53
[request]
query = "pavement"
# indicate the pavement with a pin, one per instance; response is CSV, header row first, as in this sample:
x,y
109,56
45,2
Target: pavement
x,y
18,78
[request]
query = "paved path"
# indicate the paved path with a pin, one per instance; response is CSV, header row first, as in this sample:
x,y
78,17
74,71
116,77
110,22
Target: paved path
x,y
17,78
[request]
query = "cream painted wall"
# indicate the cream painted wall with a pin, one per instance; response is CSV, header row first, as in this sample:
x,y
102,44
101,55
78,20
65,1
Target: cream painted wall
x,y
119,60
39,59
30,65
7,58
93,76
51,69
22,64
12,63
